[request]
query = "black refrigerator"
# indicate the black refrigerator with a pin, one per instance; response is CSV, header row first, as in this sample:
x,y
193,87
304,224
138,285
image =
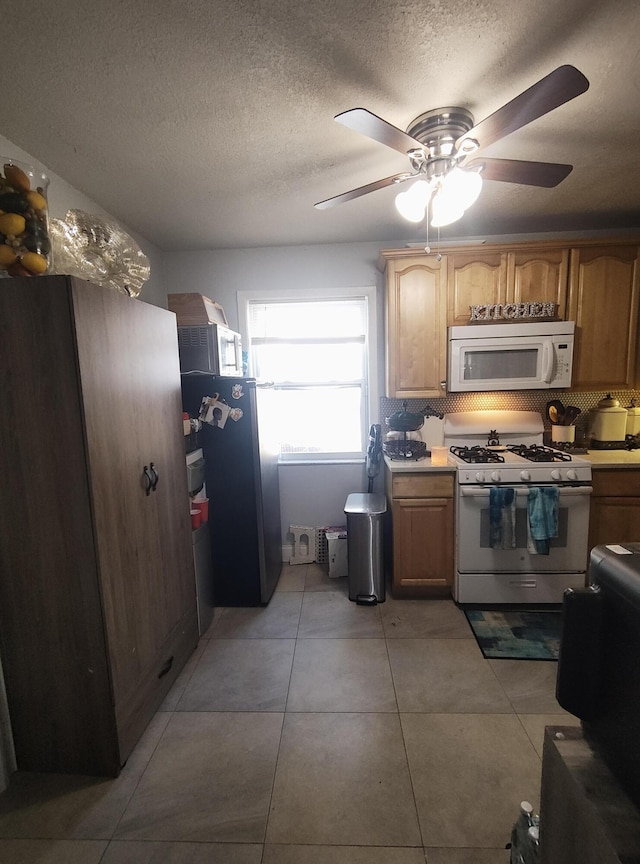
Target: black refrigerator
x,y
241,476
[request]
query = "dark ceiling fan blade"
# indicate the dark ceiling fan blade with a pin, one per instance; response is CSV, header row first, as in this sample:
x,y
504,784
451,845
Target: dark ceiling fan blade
x,y
558,87
363,121
362,190
547,174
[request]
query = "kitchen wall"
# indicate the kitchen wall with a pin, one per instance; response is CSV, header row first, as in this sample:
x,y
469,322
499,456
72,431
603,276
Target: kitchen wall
x,y
514,400
311,495
62,197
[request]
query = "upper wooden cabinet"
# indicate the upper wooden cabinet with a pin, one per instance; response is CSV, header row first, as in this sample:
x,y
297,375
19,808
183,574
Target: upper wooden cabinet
x,y
519,276
603,301
595,285
474,278
538,274
416,327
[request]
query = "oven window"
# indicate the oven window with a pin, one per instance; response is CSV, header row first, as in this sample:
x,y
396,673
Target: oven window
x,y
559,542
495,364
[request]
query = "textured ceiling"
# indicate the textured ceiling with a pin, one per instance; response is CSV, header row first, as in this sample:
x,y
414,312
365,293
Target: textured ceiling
x,y
209,124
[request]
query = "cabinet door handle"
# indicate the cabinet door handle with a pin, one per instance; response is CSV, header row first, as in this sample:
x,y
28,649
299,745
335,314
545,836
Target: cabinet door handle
x,y
166,667
156,477
149,481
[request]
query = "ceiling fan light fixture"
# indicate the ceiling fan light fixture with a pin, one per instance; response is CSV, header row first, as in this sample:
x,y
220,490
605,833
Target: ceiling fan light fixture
x,y
412,204
444,209
463,186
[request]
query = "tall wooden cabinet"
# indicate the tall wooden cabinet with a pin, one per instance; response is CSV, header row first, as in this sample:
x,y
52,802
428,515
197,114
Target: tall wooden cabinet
x,y
416,327
97,589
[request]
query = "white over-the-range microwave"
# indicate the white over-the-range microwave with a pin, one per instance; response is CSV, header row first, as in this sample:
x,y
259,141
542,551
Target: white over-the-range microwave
x,y
522,356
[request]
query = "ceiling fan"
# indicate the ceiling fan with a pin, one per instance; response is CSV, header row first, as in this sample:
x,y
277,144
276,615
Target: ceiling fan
x,y
439,144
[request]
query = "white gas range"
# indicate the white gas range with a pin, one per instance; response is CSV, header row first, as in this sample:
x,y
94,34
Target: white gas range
x,y
511,489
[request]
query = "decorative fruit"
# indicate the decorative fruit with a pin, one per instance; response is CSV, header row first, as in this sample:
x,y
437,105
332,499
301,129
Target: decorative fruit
x,y
16,177
12,223
37,201
16,269
7,255
13,202
37,242
24,231
34,262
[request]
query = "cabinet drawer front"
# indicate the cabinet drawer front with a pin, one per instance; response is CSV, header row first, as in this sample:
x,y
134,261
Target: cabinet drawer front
x,y
438,485
616,483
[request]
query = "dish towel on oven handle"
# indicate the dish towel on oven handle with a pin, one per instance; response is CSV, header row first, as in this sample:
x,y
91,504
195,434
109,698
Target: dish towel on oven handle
x,y
542,518
502,517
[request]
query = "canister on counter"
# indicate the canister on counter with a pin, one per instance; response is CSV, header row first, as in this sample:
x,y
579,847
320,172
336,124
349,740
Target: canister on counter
x,y
609,420
633,418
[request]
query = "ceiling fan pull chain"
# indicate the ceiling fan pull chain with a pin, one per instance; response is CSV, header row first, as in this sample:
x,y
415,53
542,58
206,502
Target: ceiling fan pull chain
x,y
427,248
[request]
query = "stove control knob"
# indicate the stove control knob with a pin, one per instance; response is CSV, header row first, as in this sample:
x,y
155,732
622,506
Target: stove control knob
x,y
495,476
572,474
555,474
525,476
480,477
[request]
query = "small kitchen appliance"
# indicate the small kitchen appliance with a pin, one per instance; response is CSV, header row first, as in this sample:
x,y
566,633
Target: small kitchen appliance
x,y
503,450
404,440
211,348
523,356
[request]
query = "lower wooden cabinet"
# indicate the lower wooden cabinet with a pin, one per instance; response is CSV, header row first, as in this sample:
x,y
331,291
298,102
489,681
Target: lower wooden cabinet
x,y
615,506
421,533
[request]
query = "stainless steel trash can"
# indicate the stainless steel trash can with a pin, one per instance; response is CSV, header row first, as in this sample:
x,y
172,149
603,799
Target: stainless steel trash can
x,y
365,515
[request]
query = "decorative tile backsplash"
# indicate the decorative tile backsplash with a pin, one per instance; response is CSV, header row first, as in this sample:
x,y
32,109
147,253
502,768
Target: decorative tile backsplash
x,y
511,400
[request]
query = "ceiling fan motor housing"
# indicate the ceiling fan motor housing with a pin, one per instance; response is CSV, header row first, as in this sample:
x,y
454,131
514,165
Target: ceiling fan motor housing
x,y
439,129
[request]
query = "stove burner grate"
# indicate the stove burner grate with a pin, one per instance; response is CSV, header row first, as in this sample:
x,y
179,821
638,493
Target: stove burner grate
x,y
477,455
538,453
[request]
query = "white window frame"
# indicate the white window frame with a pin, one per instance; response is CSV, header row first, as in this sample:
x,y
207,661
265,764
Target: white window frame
x,y
371,399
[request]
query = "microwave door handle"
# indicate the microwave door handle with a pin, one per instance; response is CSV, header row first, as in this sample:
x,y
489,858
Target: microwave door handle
x,y
547,361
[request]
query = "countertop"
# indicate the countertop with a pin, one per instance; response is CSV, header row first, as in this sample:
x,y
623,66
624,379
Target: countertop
x,y
598,459
412,466
613,458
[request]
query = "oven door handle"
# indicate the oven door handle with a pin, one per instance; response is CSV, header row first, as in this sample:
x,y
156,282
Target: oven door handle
x,y
564,491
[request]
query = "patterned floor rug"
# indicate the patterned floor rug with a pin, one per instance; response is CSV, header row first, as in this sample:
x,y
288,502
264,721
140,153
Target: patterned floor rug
x,y
516,634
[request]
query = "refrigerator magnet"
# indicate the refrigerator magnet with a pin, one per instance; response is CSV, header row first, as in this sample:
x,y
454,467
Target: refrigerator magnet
x,y
237,391
217,413
235,413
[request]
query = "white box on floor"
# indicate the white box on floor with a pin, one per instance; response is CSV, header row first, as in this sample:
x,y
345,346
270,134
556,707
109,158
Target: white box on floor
x,y
337,543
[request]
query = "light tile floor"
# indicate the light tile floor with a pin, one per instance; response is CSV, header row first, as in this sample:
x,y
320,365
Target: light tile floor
x,y
313,731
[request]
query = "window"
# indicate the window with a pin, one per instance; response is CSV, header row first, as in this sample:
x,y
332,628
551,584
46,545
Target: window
x,y
316,352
